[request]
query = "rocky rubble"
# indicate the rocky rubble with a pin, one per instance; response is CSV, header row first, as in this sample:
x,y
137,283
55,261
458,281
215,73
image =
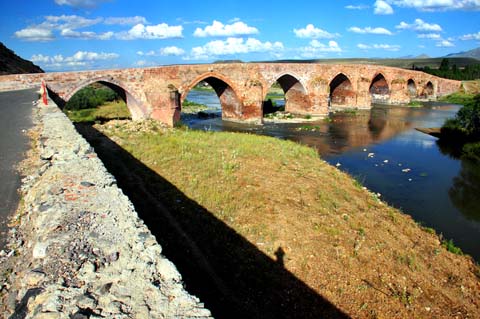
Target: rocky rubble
x,y
78,248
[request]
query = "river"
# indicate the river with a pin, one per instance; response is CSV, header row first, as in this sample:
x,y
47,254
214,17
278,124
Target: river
x,y
381,148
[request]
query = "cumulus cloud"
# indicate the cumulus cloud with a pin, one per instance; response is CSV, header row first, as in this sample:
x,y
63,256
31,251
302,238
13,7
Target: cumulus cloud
x,y
67,26
80,3
388,47
159,31
382,7
167,51
471,36
316,48
232,46
35,34
370,30
438,5
86,35
356,7
81,59
218,29
310,31
434,36
125,20
445,44
420,26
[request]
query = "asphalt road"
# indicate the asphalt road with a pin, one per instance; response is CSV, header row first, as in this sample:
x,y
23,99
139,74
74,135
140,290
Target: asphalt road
x,y
15,118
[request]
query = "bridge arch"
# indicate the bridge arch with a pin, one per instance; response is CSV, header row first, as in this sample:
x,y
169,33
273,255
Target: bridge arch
x,y
232,106
428,90
297,100
379,89
341,92
412,88
134,104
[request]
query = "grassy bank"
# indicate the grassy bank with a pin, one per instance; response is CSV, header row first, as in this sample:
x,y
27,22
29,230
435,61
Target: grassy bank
x,y
267,213
190,107
108,111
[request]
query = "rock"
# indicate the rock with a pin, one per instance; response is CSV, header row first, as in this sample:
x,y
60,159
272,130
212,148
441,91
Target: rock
x,y
40,250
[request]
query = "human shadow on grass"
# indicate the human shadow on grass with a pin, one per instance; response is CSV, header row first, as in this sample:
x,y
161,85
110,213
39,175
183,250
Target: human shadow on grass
x,y
229,274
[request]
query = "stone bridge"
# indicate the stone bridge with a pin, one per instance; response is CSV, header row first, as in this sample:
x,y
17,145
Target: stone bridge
x,y
312,89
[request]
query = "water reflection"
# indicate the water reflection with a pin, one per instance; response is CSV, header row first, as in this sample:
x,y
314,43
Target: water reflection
x,y
465,190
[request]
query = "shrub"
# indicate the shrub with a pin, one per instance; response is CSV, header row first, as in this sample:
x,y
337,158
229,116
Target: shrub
x,y
90,97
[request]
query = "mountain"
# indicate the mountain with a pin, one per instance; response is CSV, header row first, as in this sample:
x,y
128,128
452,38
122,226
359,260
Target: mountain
x,y
421,56
10,63
475,53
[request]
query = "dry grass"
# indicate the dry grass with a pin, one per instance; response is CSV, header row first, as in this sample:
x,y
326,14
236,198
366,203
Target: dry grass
x,y
367,258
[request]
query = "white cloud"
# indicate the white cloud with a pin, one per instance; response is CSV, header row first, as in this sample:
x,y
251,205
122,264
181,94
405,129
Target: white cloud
x,y
434,36
172,50
382,7
420,26
67,26
445,44
80,3
86,35
34,34
69,22
144,63
310,31
167,51
356,7
438,5
159,31
218,29
471,36
232,46
388,47
370,30
316,48
125,20
81,59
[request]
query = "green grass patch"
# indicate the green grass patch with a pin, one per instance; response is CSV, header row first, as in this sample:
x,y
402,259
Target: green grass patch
x,y
193,107
415,104
458,98
108,111
450,246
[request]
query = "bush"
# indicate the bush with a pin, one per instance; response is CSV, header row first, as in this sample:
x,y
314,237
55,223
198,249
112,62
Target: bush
x,y
466,124
471,151
90,97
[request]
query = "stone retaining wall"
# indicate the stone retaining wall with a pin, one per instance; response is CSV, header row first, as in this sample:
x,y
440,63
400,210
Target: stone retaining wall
x,y
81,250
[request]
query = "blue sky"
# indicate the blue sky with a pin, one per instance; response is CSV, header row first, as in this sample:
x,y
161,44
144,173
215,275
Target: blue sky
x,y
90,34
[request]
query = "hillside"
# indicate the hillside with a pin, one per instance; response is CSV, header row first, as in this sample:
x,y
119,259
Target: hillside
x,y
408,63
10,63
475,53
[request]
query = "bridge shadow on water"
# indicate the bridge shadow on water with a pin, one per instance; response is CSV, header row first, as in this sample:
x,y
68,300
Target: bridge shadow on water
x,y
229,274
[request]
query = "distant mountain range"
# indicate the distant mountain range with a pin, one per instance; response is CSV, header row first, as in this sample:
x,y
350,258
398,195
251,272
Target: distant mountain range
x,y
10,63
475,53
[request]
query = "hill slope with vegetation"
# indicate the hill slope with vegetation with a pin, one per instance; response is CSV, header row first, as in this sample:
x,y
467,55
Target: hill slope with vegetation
x,y
10,63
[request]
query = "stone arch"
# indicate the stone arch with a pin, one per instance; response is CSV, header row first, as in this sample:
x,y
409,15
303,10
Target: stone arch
x,y
379,89
134,104
429,90
411,88
341,92
232,106
296,96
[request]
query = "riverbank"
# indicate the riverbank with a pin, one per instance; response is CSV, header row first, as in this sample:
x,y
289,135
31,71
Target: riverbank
x,y
261,210
77,248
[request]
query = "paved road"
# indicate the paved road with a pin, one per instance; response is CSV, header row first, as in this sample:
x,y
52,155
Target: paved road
x,y
15,118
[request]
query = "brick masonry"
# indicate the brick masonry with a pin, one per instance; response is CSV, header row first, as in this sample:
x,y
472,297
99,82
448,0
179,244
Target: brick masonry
x,y
309,88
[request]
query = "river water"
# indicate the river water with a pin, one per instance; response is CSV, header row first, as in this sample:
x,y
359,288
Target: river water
x,y
381,148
